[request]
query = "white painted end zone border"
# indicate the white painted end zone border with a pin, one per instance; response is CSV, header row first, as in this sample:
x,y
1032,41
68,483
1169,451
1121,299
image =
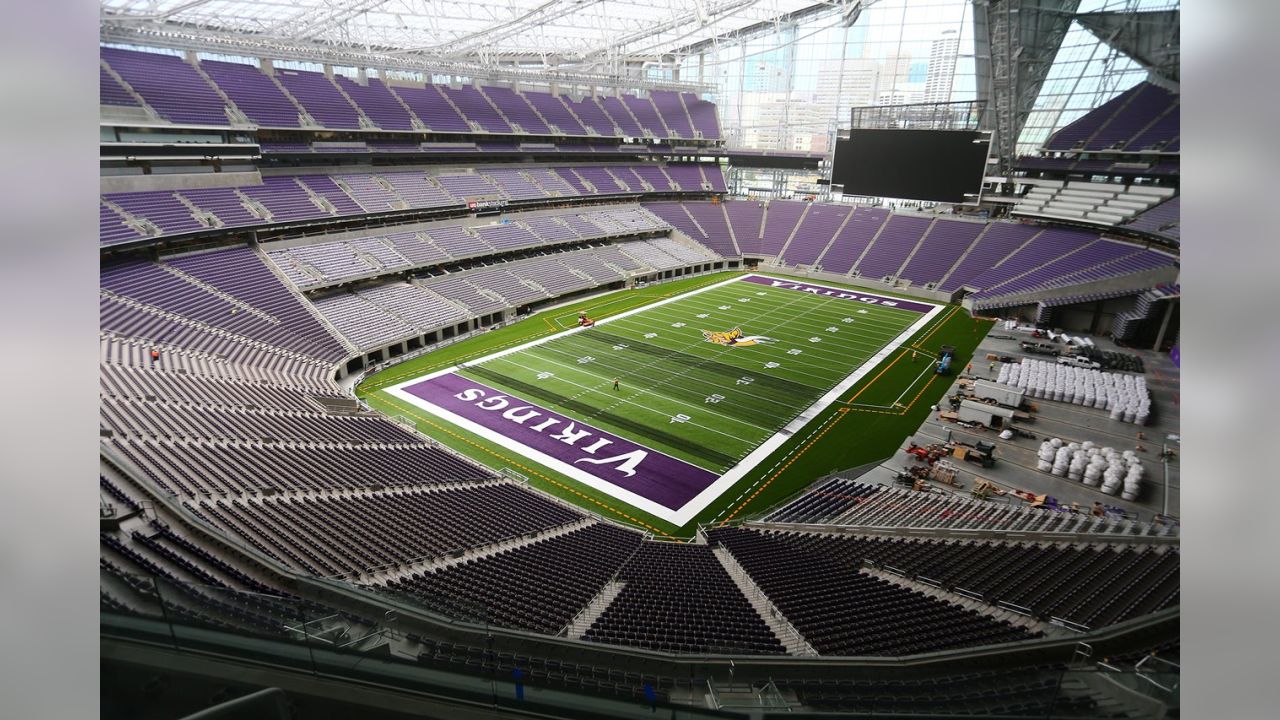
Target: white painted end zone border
x,y
700,501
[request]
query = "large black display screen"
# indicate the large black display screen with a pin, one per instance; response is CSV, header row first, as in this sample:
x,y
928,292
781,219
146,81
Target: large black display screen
x,y
937,165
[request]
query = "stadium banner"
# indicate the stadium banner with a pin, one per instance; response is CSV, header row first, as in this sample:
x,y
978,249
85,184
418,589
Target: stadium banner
x,y
563,442
841,294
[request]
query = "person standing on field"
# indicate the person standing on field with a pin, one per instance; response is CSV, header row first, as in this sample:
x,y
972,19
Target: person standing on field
x,y
615,384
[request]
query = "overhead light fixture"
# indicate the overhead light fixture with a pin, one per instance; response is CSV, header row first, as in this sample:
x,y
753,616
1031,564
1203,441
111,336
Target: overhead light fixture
x,y
703,17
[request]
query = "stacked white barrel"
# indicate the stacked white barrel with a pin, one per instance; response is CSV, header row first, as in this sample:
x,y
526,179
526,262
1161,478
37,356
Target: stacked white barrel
x,y
1117,472
1125,396
1048,450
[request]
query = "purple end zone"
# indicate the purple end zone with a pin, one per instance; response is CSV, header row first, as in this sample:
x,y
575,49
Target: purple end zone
x,y
841,294
650,474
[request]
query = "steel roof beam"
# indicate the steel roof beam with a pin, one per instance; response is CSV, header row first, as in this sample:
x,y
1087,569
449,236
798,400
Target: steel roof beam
x,y
264,45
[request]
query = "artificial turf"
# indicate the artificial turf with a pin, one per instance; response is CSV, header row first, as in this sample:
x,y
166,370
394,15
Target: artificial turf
x,y
675,372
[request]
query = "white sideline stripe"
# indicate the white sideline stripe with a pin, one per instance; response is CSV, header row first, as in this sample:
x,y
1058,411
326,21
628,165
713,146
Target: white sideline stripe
x,y
709,494
928,366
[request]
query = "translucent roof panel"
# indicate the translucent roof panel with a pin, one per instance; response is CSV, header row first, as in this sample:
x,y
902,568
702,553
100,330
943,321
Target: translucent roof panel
x,y
576,30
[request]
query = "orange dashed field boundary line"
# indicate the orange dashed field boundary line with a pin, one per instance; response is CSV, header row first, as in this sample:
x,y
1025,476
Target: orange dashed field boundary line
x,y
912,404
531,471
883,370
943,321
835,420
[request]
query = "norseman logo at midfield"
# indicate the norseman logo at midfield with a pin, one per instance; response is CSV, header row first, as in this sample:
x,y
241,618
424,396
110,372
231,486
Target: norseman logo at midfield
x,y
735,338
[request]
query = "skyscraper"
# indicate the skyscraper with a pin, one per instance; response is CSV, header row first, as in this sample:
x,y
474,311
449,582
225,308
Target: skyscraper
x,y
942,67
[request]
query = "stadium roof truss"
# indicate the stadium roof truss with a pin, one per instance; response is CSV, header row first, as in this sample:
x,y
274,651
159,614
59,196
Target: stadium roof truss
x,y
588,38
1015,44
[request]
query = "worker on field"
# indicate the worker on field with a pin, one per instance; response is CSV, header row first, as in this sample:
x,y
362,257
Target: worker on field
x,y
615,384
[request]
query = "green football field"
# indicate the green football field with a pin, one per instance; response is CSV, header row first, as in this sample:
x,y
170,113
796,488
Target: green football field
x,y
705,404
679,393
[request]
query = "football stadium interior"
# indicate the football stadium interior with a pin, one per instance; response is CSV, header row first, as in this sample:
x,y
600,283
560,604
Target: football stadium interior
x,y
602,358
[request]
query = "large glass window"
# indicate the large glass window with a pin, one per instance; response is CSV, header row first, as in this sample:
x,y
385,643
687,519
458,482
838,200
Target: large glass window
x,y
1085,74
791,89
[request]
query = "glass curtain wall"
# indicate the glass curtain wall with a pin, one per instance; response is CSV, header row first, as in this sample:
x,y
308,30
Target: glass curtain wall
x,y
791,88
1085,74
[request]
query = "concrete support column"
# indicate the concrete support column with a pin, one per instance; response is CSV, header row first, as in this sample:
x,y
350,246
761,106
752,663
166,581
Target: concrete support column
x,y
267,66
1164,324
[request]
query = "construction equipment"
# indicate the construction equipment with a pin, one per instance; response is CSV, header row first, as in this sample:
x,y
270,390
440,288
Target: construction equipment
x,y
1006,395
980,453
945,355
944,472
973,391
926,454
983,489
913,477
1019,432
983,414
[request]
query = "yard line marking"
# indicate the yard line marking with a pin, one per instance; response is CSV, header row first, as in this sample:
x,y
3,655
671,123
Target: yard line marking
x,y
480,352
870,321
633,370
721,353
871,317
778,330
773,329
606,393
